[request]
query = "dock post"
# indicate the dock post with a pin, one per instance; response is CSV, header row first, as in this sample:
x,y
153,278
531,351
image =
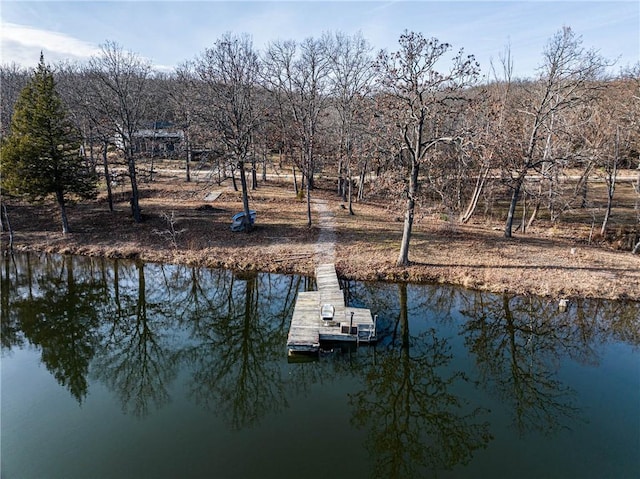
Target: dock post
x,y
375,324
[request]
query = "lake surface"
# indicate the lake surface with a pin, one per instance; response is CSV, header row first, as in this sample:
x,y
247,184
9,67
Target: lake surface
x,y
118,369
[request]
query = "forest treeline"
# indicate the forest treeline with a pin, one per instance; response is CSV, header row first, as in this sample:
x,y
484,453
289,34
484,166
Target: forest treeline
x,y
423,124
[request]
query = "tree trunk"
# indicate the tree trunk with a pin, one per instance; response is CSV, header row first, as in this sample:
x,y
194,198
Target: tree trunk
x,y
536,209
254,174
583,195
363,174
135,197
524,213
223,174
9,229
189,158
581,189
310,168
403,257
512,208
350,193
308,185
233,179
340,180
612,174
245,199
107,176
63,212
91,156
607,214
473,202
534,214
295,180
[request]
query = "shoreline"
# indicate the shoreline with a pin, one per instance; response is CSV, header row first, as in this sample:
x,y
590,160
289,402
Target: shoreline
x,y
527,278
551,260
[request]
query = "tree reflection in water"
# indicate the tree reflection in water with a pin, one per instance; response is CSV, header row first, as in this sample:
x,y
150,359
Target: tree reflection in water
x,y
135,326
134,334
518,343
135,360
236,353
414,420
10,284
59,314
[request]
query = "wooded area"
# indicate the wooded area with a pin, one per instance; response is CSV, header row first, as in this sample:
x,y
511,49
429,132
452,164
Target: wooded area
x,y
423,127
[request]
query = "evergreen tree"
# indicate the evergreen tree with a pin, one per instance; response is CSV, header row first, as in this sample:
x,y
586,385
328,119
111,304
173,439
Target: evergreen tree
x,y
40,157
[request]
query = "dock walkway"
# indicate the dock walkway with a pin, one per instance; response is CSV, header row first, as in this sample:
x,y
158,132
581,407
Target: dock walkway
x,y
308,326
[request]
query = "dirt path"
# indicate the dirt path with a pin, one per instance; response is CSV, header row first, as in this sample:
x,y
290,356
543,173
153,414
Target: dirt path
x,y
325,247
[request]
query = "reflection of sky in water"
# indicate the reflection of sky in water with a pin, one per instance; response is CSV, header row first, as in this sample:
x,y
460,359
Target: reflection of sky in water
x,y
191,379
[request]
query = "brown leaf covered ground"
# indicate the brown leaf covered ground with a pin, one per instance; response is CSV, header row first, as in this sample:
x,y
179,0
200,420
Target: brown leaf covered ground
x,y
547,261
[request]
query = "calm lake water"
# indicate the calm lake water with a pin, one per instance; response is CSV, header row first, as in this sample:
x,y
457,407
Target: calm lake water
x,y
117,369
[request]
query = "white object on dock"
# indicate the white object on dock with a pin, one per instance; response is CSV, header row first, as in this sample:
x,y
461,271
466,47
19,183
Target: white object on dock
x,y
562,305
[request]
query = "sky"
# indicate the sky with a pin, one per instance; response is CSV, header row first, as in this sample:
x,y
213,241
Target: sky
x,y
168,33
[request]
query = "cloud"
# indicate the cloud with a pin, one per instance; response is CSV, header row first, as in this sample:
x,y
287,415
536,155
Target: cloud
x,y
22,44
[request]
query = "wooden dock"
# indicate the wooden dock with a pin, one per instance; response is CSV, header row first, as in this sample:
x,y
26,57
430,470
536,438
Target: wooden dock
x,y
308,327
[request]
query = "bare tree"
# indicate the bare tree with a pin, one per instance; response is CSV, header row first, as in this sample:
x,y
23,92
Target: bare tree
x,y
231,71
100,131
159,116
421,98
352,77
629,104
617,129
13,78
298,76
118,92
76,88
488,129
611,176
566,79
183,98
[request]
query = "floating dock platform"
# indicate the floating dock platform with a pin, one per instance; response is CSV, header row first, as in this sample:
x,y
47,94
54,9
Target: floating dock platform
x,y
322,316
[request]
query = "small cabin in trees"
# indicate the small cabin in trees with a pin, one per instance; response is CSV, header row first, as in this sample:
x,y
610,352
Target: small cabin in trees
x,y
158,139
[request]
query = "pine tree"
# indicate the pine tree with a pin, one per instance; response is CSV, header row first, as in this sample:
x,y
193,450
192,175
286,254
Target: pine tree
x,y
40,157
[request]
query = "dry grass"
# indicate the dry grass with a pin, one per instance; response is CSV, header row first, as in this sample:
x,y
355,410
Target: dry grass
x,y
548,260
